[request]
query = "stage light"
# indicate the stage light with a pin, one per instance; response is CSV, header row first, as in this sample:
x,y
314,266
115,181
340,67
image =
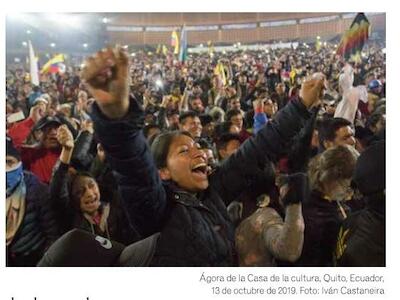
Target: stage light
x,y
85,45
105,20
52,45
25,44
28,32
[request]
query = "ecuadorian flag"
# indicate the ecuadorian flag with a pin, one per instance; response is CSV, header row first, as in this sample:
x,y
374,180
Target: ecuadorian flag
x,y
355,37
53,65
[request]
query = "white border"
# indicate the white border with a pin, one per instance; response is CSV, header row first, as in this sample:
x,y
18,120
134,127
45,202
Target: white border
x,y
101,283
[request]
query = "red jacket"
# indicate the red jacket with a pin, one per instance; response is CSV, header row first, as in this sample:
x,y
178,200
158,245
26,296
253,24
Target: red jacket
x,y
38,160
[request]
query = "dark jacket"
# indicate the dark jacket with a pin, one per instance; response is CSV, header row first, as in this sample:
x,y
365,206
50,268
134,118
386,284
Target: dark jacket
x,y
195,229
38,228
105,178
69,217
82,157
322,219
361,240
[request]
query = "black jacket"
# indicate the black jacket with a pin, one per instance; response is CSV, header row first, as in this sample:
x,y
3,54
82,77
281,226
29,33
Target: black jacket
x,y
361,240
195,229
322,219
38,229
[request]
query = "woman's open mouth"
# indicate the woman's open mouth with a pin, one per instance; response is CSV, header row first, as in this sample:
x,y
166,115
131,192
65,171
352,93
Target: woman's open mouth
x,y
200,170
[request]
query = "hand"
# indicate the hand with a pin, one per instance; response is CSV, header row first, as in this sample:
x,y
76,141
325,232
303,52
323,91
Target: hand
x,y
65,138
87,125
37,112
297,189
312,91
235,211
107,76
258,105
165,101
100,153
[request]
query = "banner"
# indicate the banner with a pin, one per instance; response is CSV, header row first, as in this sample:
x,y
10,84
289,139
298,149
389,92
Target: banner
x,y
33,66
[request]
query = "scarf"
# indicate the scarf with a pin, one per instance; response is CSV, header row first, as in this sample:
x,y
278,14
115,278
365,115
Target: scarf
x,y
15,211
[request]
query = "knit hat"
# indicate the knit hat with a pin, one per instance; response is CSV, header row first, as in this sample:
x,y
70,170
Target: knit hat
x,y
11,149
369,174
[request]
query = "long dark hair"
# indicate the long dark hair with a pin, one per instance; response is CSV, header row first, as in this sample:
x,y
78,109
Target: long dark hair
x,y
75,200
161,144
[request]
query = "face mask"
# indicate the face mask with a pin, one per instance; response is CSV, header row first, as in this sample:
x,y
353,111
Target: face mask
x,y
14,176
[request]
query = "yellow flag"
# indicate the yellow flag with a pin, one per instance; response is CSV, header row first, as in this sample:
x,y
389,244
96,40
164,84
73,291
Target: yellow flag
x,y
158,51
175,42
220,71
164,50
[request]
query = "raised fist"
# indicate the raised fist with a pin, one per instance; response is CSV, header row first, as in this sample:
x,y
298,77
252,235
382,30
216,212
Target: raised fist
x,y
106,74
64,137
312,90
87,125
37,112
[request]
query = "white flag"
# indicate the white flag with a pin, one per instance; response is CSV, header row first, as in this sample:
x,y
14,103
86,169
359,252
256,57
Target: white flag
x,y
34,70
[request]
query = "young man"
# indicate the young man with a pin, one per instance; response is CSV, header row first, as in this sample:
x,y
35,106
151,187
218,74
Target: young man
x,y
235,116
189,121
334,132
227,144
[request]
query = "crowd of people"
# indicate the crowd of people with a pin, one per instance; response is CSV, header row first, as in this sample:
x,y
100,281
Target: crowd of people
x,y
247,158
